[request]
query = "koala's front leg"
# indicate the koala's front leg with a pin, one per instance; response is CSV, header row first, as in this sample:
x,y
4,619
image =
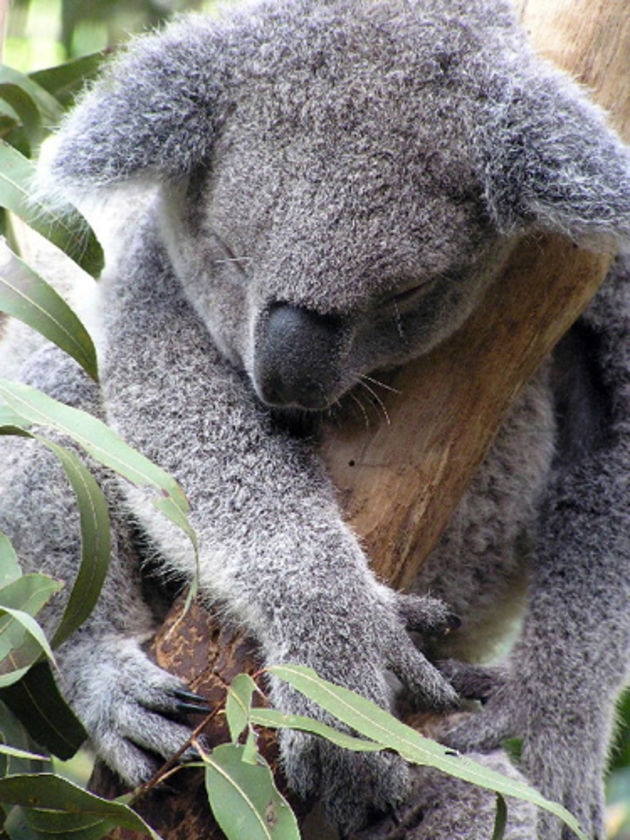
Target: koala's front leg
x,y
273,548
134,712
559,691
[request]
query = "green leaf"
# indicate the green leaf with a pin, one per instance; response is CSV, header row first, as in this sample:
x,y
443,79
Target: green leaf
x,y
22,640
238,704
25,295
69,232
13,752
250,748
37,703
19,651
244,798
49,109
273,719
21,105
95,543
102,444
65,80
13,733
10,569
11,423
500,821
59,797
370,720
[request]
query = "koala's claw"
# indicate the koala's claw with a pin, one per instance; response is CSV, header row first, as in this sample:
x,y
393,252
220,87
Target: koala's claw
x,y
133,711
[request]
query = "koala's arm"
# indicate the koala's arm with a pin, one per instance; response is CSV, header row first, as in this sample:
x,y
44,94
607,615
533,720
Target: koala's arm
x,y
571,661
273,548
132,710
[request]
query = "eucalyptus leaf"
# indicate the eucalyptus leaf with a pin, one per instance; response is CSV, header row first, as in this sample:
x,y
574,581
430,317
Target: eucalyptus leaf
x,y
95,543
60,796
65,80
102,444
10,569
370,720
25,759
238,704
273,719
37,703
244,798
500,821
68,231
47,105
19,650
21,646
25,108
13,752
25,295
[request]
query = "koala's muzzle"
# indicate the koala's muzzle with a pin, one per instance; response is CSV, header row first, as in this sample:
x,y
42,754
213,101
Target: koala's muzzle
x,y
296,359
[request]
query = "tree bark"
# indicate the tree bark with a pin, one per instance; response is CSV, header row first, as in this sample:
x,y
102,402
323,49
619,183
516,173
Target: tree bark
x,y
400,478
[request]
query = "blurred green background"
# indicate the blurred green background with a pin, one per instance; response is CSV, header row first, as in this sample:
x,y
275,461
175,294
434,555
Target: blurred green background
x,y
41,33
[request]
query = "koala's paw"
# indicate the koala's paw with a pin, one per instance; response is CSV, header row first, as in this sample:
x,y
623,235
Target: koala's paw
x,y
353,785
500,717
354,788
441,807
135,713
562,760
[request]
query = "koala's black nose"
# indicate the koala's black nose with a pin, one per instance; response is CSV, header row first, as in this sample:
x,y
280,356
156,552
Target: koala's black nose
x,y
296,360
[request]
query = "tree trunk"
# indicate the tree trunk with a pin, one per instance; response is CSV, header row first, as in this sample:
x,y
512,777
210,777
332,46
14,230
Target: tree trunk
x,y
399,480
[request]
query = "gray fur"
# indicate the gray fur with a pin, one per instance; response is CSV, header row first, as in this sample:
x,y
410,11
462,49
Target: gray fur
x,y
338,184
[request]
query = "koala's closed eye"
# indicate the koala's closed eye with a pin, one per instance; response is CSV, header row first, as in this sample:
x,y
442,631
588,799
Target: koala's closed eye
x,y
240,262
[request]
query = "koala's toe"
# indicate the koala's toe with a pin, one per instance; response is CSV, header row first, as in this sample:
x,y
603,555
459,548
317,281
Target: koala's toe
x,y
429,689
427,616
473,682
126,759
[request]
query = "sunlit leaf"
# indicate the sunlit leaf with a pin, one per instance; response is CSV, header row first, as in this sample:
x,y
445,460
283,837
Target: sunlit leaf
x,y
25,295
69,231
65,80
9,565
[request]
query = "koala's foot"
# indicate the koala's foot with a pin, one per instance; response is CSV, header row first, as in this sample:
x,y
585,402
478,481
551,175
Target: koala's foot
x,y
135,713
563,760
441,807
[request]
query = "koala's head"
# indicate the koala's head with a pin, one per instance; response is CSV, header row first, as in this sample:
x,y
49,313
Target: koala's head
x,y
340,179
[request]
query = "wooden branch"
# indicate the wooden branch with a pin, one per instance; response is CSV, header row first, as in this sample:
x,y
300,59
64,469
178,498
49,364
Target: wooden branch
x,y
399,482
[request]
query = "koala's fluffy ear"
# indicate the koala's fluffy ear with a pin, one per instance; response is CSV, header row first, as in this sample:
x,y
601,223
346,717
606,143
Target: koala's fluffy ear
x,y
549,158
155,111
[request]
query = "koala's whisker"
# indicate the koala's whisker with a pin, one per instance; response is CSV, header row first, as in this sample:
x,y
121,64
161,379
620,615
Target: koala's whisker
x,y
356,399
378,382
376,399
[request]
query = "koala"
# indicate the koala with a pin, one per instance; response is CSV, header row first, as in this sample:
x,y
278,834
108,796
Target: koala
x,y
334,185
